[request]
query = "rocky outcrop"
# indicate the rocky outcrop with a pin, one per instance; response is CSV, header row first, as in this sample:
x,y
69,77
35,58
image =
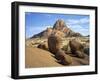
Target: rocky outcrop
x,y
59,26
77,48
63,58
87,50
54,43
43,34
43,46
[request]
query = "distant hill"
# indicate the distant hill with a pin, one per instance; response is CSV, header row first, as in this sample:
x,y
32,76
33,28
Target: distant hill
x,y
88,36
60,28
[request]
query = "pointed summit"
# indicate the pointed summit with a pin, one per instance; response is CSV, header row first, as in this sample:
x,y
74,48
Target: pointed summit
x,y
59,25
60,28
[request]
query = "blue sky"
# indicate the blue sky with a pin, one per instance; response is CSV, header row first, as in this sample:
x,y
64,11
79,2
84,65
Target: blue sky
x,y
37,22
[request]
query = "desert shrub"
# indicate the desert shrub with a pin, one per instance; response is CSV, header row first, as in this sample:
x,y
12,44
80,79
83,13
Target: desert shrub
x,y
66,48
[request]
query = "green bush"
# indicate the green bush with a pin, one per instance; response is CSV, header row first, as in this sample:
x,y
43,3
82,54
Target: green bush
x,y
66,48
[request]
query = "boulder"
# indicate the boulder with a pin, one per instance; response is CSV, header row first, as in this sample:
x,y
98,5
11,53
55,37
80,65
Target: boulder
x,y
63,58
77,48
86,50
54,43
79,54
42,46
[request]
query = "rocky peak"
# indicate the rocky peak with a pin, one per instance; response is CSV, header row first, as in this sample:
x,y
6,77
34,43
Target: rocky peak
x,y
59,25
49,29
60,28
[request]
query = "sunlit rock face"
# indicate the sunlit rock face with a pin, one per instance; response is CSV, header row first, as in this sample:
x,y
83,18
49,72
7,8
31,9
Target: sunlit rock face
x,y
59,28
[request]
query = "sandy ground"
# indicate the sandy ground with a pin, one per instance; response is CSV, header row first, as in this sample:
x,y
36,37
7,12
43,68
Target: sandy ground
x,y
35,57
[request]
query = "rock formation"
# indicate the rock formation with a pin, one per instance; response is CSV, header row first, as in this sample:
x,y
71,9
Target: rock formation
x,y
77,48
59,26
63,58
54,43
87,50
42,46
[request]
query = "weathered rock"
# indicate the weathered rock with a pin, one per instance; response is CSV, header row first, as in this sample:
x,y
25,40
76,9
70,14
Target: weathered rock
x,y
47,32
76,48
63,58
75,45
79,54
59,26
54,43
58,33
86,50
42,46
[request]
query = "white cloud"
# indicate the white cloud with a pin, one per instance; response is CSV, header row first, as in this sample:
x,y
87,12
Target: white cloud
x,y
79,25
84,20
72,21
78,21
75,26
80,29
